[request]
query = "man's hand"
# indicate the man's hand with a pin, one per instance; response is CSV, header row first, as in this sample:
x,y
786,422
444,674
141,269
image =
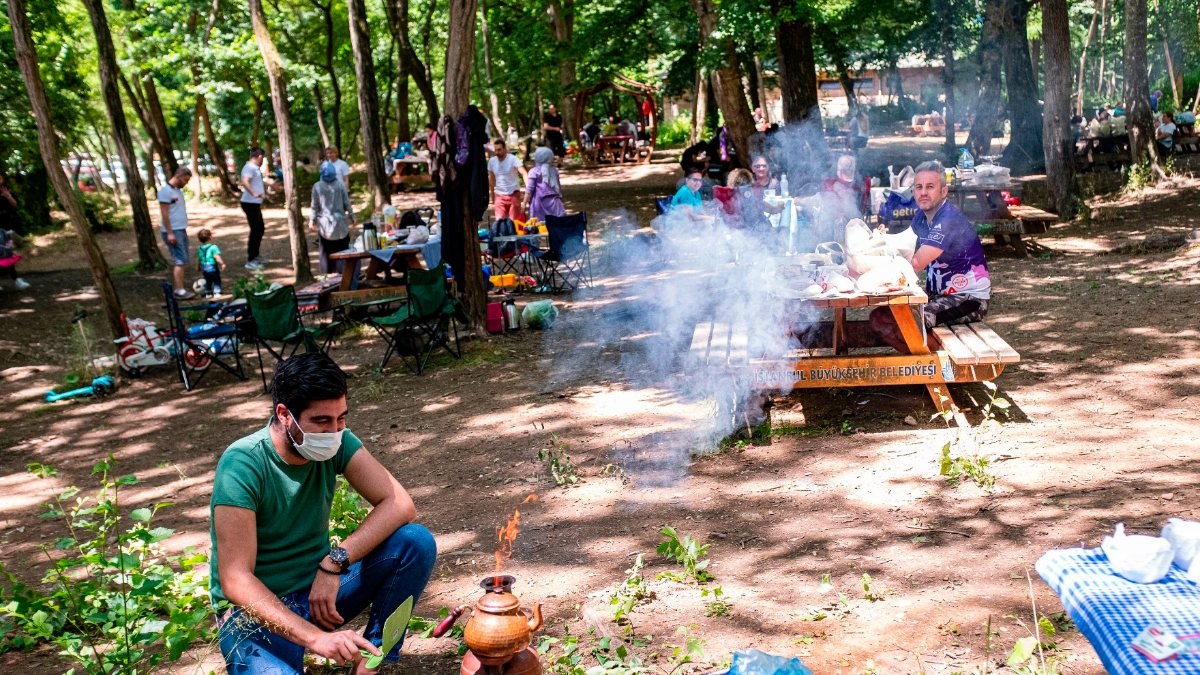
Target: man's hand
x,y
341,646
171,237
322,600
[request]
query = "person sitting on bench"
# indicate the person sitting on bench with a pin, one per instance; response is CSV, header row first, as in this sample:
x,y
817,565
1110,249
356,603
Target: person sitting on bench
x,y
949,250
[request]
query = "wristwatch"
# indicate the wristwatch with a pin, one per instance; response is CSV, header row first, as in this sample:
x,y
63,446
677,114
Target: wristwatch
x,y
340,557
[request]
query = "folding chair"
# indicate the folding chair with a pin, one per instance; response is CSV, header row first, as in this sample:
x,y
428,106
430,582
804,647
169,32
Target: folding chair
x,y
424,324
198,347
567,264
277,325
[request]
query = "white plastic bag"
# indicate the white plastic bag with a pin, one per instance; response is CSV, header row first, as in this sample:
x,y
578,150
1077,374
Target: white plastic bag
x,y
1138,557
887,274
864,246
418,235
1184,536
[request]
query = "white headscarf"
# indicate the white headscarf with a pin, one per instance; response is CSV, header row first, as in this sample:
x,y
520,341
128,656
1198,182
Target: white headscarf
x,y
542,157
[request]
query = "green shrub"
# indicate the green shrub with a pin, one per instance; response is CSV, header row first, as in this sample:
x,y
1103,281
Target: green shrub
x,y
675,134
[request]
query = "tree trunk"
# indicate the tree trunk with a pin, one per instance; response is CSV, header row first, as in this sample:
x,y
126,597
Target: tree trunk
x,y
228,186
1170,69
283,124
727,82
139,107
195,151
497,123
698,110
149,257
256,131
410,63
762,88
988,105
562,16
1035,58
459,49
1087,41
22,36
847,82
1104,19
948,74
154,108
320,106
397,13
368,103
326,11
1140,122
797,70
1024,150
1059,146
751,82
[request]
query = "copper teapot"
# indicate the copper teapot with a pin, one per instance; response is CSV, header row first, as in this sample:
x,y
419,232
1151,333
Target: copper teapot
x,y
500,627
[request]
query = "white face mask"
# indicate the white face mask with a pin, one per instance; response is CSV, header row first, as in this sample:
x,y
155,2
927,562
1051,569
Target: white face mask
x,y
317,446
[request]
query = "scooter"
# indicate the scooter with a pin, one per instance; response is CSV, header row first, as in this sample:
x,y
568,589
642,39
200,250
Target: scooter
x,y
102,385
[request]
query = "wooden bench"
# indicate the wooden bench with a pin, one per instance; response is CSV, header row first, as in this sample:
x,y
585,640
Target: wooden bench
x,y
956,354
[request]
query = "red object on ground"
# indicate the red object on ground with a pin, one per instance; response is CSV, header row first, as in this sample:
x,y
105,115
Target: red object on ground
x,y
1011,199
495,318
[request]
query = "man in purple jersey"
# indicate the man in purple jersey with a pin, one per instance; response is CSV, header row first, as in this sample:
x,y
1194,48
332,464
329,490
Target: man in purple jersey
x,y
957,279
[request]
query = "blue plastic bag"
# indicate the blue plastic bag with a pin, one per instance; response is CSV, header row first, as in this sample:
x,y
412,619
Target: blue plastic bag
x,y
755,662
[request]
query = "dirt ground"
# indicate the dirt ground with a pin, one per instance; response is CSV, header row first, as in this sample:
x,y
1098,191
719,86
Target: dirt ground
x,y
1102,419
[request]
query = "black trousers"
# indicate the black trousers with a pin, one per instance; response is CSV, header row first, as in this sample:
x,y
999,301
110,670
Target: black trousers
x,y
328,247
257,228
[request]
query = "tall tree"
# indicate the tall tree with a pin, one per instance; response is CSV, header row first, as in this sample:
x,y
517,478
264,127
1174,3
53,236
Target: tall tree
x,y
412,64
27,61
727,80
159,121
1137,85
287,149
1083,53
988,103
326,11
487,68
149,257
1058,144
368,103
1024,150
797,64
562,19
459,49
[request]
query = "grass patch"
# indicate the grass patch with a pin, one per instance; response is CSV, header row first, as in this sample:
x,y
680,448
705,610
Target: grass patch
x,y
126,269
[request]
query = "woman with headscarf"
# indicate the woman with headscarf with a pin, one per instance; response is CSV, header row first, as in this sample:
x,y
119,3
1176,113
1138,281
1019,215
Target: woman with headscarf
x,y
543,192
332,215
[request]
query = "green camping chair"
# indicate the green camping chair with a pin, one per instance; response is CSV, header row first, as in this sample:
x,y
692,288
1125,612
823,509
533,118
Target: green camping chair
x,y
277,326
425,323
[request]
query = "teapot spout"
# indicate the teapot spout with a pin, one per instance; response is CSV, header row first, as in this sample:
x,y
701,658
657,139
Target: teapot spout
x,y
535,616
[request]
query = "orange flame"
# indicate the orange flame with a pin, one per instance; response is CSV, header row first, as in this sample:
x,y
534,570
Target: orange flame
x,y
505,536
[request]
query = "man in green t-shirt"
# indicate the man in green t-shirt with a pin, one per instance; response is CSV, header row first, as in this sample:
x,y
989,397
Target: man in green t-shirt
x,y
271,554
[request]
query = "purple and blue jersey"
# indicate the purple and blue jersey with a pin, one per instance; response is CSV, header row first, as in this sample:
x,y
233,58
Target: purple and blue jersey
x,y
961,268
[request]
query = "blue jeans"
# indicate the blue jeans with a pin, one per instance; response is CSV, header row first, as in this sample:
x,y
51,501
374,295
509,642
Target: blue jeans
x,y
397,568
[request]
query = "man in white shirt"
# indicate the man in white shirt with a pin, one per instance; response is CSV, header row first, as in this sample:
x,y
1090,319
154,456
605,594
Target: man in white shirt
x,y
333,156
505,174
173,208
1165,133
253,192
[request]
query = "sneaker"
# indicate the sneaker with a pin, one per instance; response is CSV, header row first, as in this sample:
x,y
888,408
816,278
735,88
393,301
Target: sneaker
x,y
217,290
254,265
21,284
184,294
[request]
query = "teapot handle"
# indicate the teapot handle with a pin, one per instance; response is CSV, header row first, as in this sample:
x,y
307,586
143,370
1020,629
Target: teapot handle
x,y
534,616
445,624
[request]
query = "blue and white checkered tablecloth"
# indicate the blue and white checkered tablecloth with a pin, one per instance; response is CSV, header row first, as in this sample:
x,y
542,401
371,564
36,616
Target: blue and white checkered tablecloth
x,y
1111,611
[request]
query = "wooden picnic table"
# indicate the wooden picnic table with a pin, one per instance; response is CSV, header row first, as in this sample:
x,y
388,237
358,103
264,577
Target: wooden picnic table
x,y
969,353
410,171
370,287
614,149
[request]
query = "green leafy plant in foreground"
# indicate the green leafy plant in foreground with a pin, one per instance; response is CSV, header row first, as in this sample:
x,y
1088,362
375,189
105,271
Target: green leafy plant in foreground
x,y
118,603
630,592
558,461
569,660
687,552
346,512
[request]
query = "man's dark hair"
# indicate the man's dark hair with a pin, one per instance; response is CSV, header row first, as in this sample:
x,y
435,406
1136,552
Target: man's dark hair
x,y
500,142
256,152
305,378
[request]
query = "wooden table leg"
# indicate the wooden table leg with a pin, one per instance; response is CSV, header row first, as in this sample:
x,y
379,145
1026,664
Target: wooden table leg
x,y
839,330
915,341
349,275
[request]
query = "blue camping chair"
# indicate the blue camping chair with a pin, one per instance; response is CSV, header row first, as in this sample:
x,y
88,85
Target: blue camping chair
x,y
567,264
198,347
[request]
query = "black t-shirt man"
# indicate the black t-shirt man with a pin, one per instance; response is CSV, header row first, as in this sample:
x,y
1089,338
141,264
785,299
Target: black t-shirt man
x,y
554,136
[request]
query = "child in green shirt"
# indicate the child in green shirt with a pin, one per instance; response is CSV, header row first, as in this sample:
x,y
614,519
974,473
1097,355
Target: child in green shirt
x,y
211,263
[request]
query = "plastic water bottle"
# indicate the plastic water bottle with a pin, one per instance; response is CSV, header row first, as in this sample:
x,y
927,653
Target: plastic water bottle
x,y
783,186
965,160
